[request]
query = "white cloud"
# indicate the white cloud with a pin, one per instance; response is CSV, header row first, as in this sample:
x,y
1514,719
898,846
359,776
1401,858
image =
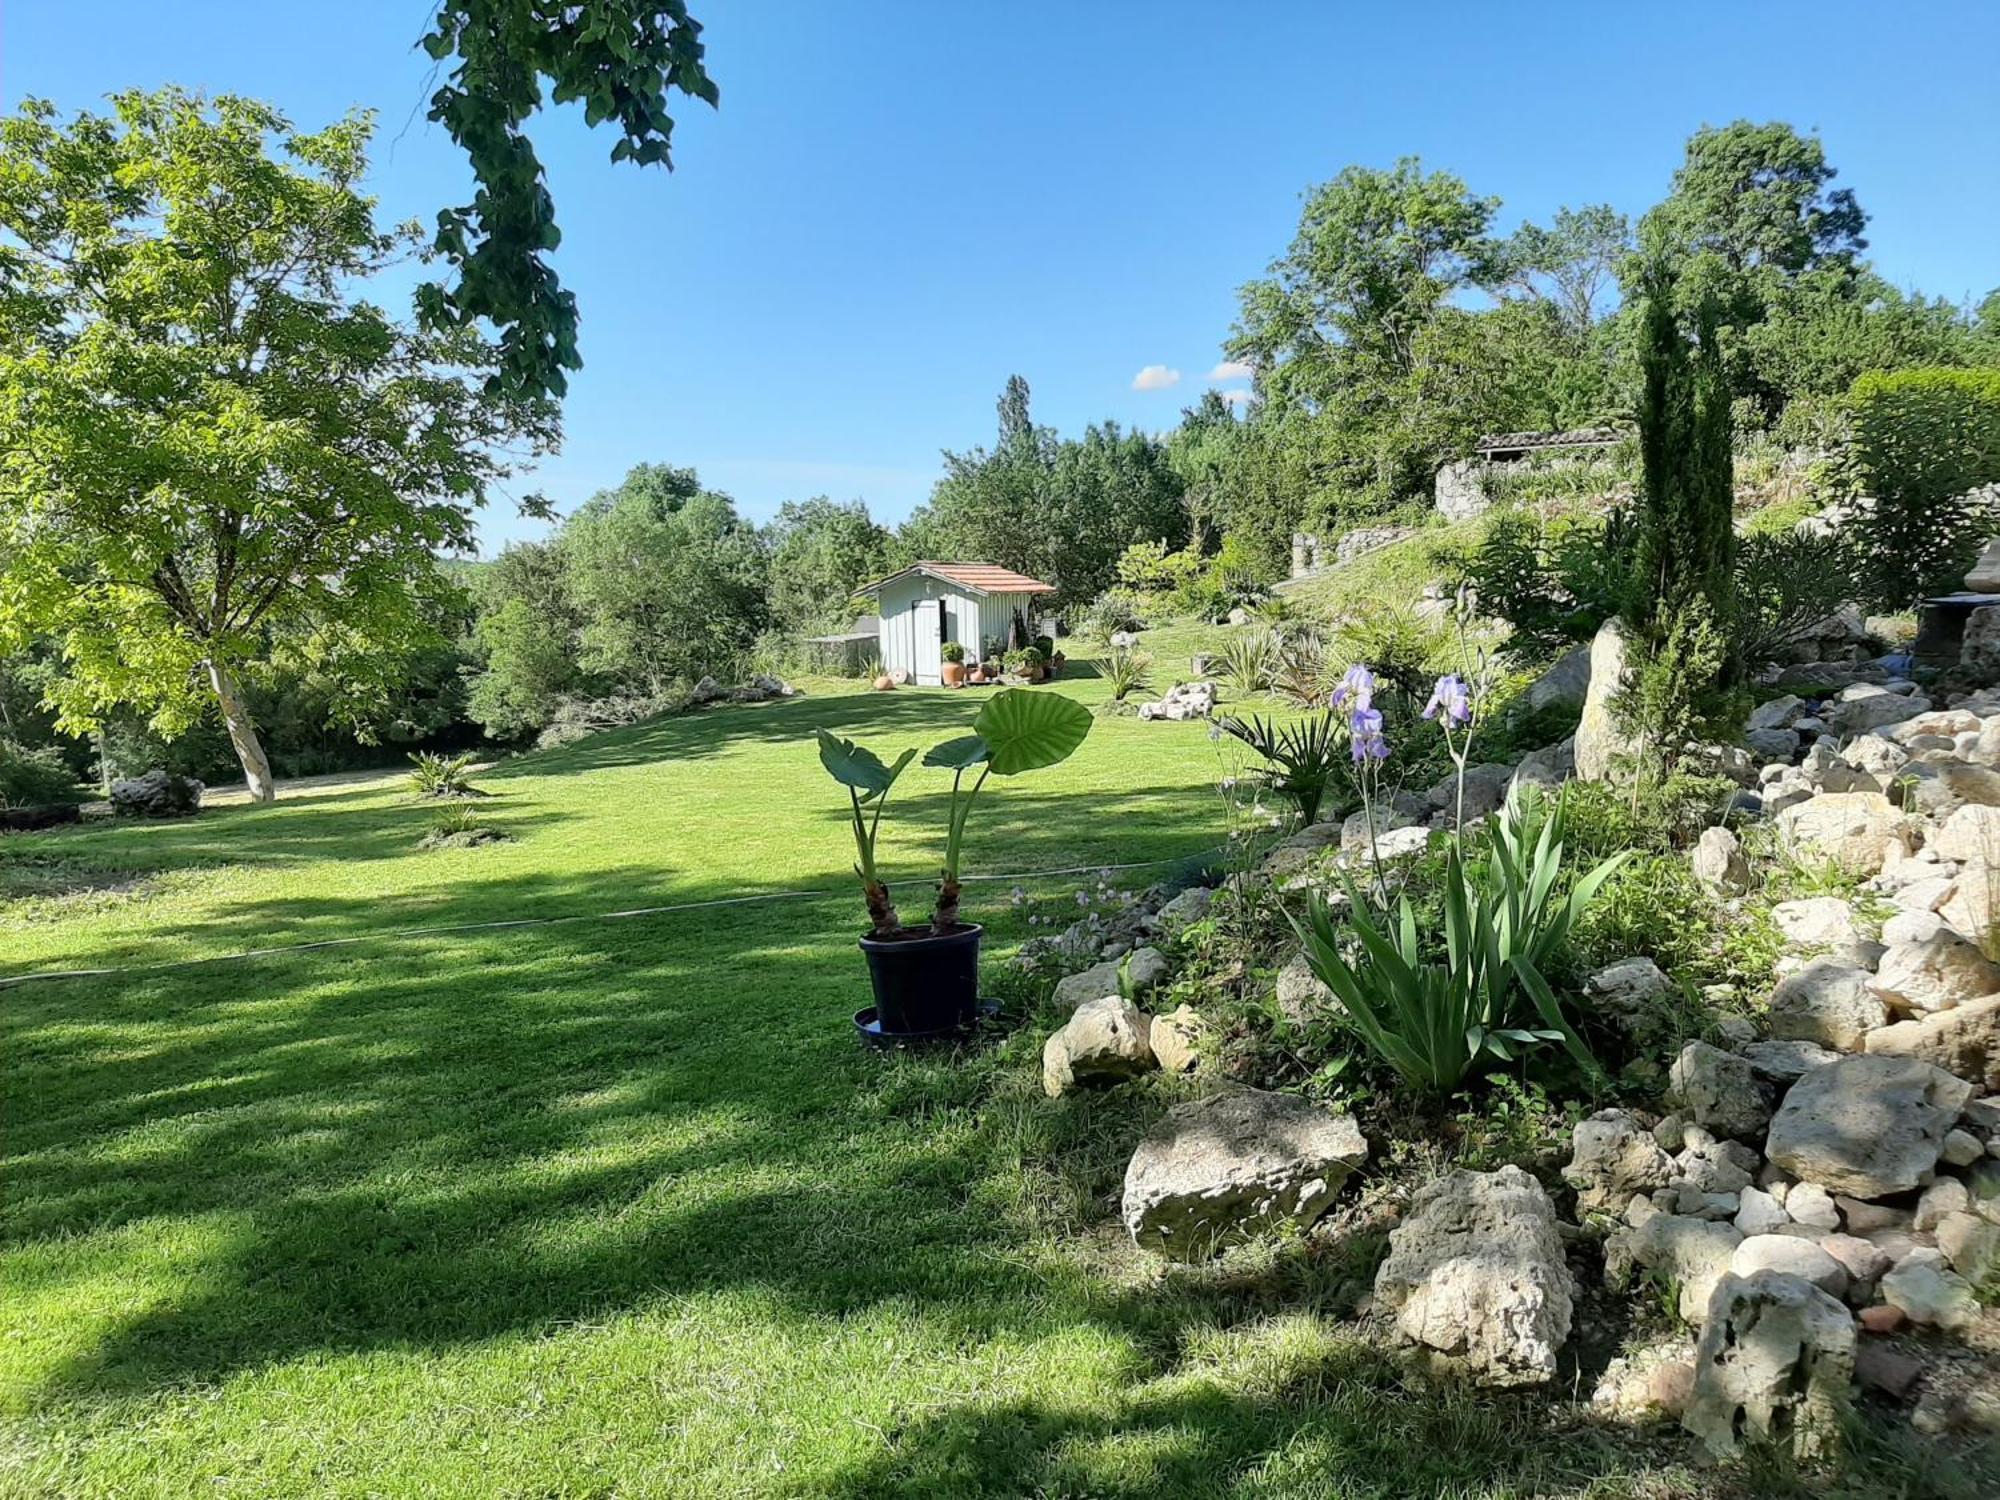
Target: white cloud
x,y
1231,369
1235,398
1155,378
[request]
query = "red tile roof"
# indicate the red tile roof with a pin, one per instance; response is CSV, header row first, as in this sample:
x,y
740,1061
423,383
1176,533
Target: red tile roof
x,y
981,578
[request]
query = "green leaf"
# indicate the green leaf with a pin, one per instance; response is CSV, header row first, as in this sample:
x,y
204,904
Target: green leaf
x,y
1027,731
957,755
850,765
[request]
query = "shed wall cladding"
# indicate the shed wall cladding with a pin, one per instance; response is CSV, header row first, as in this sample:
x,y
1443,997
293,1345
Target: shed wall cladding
x,y
962,622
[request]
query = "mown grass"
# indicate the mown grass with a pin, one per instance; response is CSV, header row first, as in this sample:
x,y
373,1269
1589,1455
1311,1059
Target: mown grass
x,y
616,1206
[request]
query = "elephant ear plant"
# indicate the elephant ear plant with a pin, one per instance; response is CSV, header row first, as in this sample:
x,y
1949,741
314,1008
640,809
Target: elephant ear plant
x,y
867,780
1016,731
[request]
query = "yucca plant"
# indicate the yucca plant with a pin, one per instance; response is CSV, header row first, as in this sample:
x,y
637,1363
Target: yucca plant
x,y
1127,672
1249,660
442,775
1299,759
458,818
1301,668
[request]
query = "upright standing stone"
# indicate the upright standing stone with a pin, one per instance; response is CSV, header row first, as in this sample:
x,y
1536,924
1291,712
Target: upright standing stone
x,y
1776,1359
1600,742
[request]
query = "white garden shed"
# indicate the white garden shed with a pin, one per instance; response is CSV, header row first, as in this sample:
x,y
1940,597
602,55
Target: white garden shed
x,y
928,603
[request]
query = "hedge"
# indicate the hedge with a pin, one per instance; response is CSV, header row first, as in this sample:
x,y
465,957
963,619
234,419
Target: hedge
x,y
1924,440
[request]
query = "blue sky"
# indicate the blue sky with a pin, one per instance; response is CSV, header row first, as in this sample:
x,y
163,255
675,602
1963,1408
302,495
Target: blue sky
x,y
899,204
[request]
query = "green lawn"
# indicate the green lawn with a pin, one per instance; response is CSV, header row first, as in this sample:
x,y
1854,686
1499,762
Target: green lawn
x,y
618,1207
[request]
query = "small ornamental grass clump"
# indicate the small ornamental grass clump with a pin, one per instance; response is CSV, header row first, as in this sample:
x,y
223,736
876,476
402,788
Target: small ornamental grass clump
x,y
1127,672
443,775
1439,1018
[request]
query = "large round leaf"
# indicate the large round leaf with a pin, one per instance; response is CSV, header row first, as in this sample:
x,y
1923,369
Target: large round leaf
x,y
851,765
961,754
1025,731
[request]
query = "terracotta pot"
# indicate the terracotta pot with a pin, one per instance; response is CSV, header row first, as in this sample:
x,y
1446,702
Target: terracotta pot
x,y
884,683
953,673
977,674
1056,664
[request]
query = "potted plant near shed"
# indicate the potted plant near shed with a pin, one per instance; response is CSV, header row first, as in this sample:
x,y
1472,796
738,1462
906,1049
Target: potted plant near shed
x,y
926,979
952,672
1026,663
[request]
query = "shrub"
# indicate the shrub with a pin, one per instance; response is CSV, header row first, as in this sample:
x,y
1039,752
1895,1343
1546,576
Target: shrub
x,y
1127,672
31,777
1025,659
1554,581
1923,440
442,775
1786,583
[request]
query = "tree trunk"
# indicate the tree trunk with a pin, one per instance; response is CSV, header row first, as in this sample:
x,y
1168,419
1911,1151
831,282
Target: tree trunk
x,y
243,736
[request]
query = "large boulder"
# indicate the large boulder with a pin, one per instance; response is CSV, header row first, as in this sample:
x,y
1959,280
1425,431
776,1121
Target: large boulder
x,y
1850,829
1551,765
1564,685
1827,1002
1979,650
1475,1274
1775,1361
1866,1126
157,794
1934,973
1612,1157
1872,707
1964,1040
1602,742
1107,1041
1718,1090
1219,1169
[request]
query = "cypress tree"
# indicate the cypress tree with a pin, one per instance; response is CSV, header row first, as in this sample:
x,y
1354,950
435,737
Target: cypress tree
x,y
1685,562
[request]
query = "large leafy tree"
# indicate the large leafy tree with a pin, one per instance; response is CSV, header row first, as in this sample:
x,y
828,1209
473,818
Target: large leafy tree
x,y
1750,214
821,552
1571,263
620,59
213,448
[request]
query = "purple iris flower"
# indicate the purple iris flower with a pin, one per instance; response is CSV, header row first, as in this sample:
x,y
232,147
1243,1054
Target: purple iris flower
x,y
1450,698
1358,686
1365,735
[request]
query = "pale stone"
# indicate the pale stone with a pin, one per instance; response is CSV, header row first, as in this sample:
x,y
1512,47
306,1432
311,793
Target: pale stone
x,y
1850,829
1219,1169
1301,995
1827,1002
1628,990
1970,1245
1718,1090
1601,741
1611,1158
1476,1274
1924,1290
1985,575
1144,969
1875,709
1872,753
1775,1361
1866,1126
1812,1205
1791,1255
1964,1041
1106,1041
1816,922
1176,1039
1972,832
1941,971
1785,1060
1862,1260
1691,1253
1759,1213
1776,713
1718,861
1941,1199
1962,1148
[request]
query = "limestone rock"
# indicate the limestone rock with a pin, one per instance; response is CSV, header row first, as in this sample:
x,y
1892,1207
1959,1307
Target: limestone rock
x,y
157,794
1970,1245
1827,1002
1551,765
1476,1274
1106,1041
1601,742
1935,974
1979,652
1872,707
1718,1090
1186,909
1176,1039
1785,1061
1611,1158
1775,1361
1964,1040
1926,1292
1718,861
1772,744
1758,1213
1564,685
1222,1168
1628,990
1301,995
1972,832
1851,829
1793,1256
1816,922
1875,754
1985,575
1691,1253
1775,713
1866,1126
1148,967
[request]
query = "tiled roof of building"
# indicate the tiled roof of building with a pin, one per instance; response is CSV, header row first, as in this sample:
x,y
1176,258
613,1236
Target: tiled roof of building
x,y
1579,437
980,578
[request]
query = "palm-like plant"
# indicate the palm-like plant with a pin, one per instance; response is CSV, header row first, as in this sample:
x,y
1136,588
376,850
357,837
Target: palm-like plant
x,y
1299,759
1127,672
1250,660
1301,668
443,775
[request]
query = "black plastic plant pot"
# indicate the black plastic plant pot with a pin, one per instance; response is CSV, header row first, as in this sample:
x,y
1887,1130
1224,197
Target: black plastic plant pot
x,y
926,984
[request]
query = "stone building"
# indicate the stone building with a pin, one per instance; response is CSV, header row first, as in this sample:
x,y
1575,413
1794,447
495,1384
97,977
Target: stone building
x,y
1462,487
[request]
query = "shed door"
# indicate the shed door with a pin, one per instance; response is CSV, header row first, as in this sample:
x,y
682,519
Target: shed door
x,y
926,663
